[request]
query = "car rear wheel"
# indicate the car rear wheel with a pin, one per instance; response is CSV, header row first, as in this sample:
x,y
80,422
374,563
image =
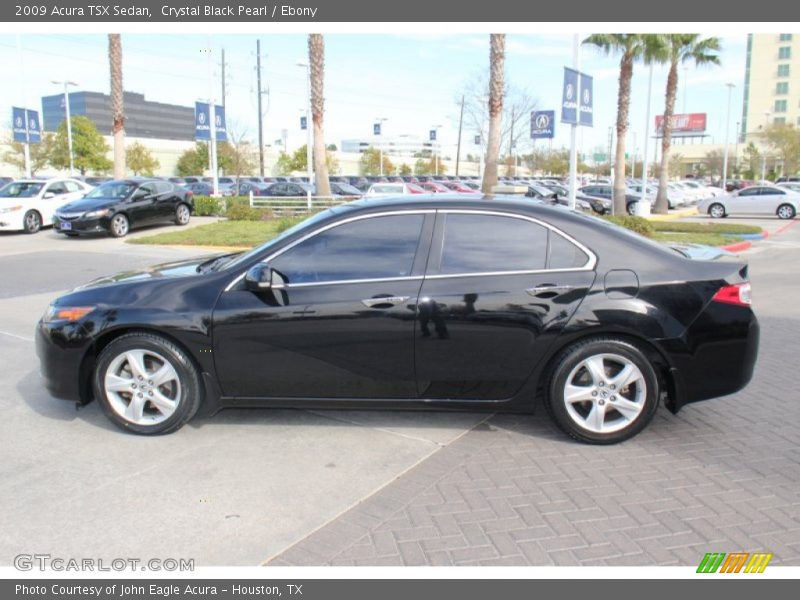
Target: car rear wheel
x,y
182,214
119,226
631,207
32,221
603,391
146,384
786,211
716,211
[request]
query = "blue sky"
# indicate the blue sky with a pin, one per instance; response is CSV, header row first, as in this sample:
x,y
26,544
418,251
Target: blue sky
x,y
412,80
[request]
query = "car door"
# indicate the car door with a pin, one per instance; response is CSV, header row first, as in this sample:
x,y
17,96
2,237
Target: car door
x,y
141,207
745,201
498,290
768,201
339,320
166,201
54,196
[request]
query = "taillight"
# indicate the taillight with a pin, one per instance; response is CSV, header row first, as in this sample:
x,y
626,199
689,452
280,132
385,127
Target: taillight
x,y
738,294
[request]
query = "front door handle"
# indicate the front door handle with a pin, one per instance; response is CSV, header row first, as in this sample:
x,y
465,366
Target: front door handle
x,y
384,301
548,288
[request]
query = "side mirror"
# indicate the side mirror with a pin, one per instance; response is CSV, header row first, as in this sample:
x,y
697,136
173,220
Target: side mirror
x,y
259,278
48,195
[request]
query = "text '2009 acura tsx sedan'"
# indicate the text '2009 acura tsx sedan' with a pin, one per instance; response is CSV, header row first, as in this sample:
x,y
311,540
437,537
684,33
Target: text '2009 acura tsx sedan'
x,y
443,302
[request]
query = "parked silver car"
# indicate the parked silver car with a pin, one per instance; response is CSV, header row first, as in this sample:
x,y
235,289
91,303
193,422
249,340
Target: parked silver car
x,y
755,200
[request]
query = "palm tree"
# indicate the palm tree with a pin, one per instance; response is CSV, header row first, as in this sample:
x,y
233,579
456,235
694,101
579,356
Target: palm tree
x,y
117,111
632,47
677,49
316,58
497,59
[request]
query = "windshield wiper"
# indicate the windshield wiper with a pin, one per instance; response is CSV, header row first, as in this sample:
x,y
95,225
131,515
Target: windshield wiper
x,y
213,263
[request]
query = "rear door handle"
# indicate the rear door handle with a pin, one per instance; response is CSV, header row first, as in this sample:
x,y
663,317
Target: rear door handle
x,y
384,301
548,288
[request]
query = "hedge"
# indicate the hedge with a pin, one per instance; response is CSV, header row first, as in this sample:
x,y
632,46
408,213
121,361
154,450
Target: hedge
x,y
692,227
638,224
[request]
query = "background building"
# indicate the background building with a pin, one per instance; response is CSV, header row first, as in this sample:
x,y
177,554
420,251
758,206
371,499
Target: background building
x,y
772,83
143,118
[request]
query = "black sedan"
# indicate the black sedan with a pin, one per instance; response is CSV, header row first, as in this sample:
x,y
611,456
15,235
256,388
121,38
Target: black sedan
x,y
118,206
431,302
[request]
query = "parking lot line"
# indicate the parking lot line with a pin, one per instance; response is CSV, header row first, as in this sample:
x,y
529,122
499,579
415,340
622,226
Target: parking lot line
x,y
19,337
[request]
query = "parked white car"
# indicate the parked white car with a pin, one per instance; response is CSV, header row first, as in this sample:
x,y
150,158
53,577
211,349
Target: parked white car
x,y
29,204
704,191
755,200
377,190
674,198
789,186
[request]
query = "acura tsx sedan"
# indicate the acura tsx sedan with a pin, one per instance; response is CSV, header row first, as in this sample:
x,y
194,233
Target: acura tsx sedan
x,y
422,302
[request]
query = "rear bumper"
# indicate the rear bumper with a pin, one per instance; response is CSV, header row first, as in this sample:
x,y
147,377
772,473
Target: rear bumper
x,y
715,357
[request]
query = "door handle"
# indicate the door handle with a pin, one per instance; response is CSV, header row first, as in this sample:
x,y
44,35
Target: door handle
x,y
547,288
384,301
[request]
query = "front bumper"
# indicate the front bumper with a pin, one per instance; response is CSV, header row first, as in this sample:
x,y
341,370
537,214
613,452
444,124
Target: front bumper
x,y
82,225
12,221
61,348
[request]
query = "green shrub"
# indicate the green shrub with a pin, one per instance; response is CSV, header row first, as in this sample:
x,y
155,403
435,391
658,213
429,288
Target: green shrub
x,y
206,206
693,227
285,223
638,224
243,212
236,201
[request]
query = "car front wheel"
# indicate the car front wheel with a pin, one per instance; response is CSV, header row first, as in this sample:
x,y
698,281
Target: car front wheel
x,y
146,384
32,221
716,211
119,226
603,391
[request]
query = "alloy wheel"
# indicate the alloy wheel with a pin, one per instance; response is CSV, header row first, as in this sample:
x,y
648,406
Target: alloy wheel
x,y
120,225
142,387
32,222
605,393
182,214
716,211
785,212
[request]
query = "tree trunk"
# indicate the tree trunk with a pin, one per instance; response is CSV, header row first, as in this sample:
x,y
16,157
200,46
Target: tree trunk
x,y
623,106
316,57
497,57
117,109
662,205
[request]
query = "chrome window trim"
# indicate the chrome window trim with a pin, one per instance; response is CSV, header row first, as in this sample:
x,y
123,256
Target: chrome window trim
x,y
589,266
275,255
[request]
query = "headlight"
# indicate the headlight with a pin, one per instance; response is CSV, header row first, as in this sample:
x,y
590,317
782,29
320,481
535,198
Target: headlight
x,y
66,313
97,213
9,209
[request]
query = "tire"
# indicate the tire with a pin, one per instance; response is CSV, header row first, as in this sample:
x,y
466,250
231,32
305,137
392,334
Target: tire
x,y
141,405
716,211
182,214
786,211
119,226
32,221
601,414
631,208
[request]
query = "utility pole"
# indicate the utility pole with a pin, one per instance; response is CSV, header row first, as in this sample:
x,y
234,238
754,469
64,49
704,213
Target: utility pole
x,y
260,114
212,126
222,65
27,145
460,123
573,134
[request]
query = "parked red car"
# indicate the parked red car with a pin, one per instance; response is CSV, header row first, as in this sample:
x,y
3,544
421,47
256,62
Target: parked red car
x,y
434,188
457,186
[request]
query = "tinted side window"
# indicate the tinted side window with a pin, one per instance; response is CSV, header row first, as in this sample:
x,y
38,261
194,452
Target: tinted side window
x,y
57,188
371,248
163,187
564,254
749,192
771,192
486,243
72,186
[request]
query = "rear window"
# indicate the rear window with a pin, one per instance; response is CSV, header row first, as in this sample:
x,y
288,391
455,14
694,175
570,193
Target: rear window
x,y
564,254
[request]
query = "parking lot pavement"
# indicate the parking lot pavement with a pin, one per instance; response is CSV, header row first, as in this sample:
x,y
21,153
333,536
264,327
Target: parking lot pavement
x,y
722,475
229,490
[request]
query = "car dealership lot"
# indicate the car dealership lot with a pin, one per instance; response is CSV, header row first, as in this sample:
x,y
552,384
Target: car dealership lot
x,y
244,486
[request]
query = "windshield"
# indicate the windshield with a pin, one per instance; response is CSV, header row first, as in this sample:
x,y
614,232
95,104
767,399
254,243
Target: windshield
x,y
21,189
116,190
242,258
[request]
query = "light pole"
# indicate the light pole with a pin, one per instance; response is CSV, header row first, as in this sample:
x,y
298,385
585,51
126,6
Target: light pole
x,y
379,131
727,130
436,128
736,149
309,171
66,84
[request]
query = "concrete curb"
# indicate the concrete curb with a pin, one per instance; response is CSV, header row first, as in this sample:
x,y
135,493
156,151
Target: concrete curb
x,y
738,246
676,214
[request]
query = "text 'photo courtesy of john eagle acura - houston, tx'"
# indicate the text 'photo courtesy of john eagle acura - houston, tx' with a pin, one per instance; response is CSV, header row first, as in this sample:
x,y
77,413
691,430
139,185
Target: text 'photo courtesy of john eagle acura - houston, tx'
x,y
430,302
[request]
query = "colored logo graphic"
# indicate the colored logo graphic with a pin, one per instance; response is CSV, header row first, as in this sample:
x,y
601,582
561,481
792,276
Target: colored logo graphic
x,y
735,562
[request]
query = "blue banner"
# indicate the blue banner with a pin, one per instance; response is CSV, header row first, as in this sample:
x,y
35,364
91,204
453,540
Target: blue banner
x,y
25,125
432,135
202,131
477,140
587,100
376,129
303,122
543,124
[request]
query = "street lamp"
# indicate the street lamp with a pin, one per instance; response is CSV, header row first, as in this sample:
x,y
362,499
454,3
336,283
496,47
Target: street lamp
x,y
309,172
66,84
727,131
379,131
436,128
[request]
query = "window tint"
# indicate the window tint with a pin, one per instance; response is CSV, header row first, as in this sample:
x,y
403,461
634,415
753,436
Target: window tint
x,y
163,187
564,254
749,192
485,243
57,188
771,192
150,188
72,186
367,249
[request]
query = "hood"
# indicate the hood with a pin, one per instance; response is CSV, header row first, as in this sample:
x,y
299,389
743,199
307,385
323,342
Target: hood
x,y
87,204
183,268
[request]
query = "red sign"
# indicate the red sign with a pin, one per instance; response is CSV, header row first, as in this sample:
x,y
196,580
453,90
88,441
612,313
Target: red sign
x,y
686,123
